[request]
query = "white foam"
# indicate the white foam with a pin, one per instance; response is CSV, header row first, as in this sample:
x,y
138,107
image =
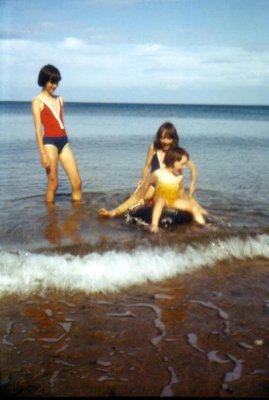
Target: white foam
x,y
5,338
53,378
192,339
236,372
214,357
167,390
157,321
24,273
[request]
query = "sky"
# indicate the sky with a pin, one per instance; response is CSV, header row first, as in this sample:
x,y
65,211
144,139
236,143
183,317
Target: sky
x,y
138,51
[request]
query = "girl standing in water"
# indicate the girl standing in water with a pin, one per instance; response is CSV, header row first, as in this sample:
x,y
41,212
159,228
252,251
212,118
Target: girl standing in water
x,y
166,138
52,140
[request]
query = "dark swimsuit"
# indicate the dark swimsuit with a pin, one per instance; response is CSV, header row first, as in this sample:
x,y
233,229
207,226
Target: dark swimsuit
x,y
155,163
57,141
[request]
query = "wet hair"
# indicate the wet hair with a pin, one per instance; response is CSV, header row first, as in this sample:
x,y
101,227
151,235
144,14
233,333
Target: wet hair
x,y
174,155
167,129
48,73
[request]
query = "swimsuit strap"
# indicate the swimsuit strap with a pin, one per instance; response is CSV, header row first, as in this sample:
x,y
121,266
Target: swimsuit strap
x,y
160,162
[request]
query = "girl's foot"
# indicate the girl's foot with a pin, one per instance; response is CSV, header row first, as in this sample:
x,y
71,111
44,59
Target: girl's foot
x,y
203,211
199,219
154,229
103,212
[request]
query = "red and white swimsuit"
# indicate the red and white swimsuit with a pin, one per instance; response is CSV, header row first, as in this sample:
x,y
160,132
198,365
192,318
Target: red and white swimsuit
x,y
52,121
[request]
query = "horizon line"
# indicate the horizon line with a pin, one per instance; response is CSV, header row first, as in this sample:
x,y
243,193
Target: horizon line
x,y
147,103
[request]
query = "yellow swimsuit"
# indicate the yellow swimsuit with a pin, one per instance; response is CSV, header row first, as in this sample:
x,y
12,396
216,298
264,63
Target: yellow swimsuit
x,y
170,190
167,191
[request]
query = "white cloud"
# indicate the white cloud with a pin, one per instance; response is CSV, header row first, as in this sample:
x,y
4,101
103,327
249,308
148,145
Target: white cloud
x,y
123,66
72,43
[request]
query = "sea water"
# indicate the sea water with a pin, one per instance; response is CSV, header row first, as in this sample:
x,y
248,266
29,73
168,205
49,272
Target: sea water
x,y
69,247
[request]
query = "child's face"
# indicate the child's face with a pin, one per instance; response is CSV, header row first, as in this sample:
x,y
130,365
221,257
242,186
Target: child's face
x,y
50,87
166,142
180,165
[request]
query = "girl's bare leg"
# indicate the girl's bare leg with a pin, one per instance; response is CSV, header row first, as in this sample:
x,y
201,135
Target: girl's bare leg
x,y
186,205
121,209
194,203
70,166
156,214
134,200
52,173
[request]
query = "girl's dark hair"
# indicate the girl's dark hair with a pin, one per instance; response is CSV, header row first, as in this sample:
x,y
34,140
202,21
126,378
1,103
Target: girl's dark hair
x,y
48,73
173,155
167,129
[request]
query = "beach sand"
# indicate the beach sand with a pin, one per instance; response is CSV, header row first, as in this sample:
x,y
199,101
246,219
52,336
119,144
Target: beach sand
x,y
204,334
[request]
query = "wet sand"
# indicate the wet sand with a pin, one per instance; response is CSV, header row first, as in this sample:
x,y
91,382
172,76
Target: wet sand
x,y
205,334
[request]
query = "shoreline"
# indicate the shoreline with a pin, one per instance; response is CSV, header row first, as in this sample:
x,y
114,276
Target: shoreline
x,y
203,334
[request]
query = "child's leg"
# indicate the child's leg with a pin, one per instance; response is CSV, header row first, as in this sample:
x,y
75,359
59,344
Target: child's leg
x,y
186,205
198,206
52,173
134,200
194,203
70,166
121,209
156,214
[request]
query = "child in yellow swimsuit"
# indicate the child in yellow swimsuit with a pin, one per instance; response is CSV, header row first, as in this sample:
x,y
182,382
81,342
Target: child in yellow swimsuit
x,y
169,188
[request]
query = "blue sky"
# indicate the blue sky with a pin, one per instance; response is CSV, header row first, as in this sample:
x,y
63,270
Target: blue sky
x,y
160,51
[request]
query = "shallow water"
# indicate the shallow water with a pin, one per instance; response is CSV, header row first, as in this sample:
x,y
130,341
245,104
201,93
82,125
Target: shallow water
x,y
96,307
229,145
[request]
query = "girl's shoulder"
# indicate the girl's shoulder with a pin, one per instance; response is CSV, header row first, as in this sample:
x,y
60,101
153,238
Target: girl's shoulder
x,y
151,148
150,154
40,100
166,173
61,100
36,99
37,103
161,172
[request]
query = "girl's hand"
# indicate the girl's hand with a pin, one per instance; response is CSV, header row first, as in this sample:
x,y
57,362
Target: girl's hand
x,y
45,161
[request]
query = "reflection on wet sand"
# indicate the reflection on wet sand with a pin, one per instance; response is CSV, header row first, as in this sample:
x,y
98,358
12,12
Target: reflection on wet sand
x,y
61,227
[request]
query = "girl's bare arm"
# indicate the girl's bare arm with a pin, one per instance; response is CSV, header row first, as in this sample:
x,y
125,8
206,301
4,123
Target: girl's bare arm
x,y
36,109
146,169
193,170
151,180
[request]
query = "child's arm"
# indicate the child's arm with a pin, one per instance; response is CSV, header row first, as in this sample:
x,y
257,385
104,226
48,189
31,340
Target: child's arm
x,y
192,168
38,130
151,180
146,169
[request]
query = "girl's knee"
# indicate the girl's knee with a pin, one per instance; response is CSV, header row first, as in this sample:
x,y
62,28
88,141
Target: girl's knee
x,y
134,198
160,202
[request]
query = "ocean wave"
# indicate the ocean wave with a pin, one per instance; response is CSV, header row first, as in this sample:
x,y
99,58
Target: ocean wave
x,y
24,273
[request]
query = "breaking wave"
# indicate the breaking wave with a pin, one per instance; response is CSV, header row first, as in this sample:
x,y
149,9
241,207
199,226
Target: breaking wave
x,y
24,273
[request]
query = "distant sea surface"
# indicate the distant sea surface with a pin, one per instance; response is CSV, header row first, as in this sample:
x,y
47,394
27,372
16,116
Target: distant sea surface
x,y
68,247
